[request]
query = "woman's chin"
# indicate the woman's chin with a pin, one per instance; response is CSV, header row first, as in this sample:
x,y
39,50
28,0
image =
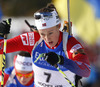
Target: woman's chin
x,y
23,83
51,45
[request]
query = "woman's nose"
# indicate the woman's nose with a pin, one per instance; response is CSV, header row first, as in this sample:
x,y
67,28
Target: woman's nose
x,y
47,37
22,78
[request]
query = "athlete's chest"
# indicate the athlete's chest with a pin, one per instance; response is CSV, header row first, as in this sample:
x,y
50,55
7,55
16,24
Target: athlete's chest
x,y
42,48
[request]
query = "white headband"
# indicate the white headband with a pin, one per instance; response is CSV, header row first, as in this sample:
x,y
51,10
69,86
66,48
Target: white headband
x,y
48,21
23,63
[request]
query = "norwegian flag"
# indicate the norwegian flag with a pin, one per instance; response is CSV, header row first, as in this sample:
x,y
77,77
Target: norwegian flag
x,y
44,24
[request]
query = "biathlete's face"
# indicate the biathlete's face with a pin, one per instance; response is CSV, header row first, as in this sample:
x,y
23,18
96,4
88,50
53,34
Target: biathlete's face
x,y
50,35
24,76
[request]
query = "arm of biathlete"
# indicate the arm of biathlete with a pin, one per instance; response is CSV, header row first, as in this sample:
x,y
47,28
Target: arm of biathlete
x,y
78,61
23,42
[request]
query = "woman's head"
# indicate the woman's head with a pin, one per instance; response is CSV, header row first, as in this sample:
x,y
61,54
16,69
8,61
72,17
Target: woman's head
x,y
23,67
50,35
48,24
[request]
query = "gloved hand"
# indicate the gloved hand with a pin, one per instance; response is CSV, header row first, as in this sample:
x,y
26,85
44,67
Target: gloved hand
x,y
5,27
12,85
53,59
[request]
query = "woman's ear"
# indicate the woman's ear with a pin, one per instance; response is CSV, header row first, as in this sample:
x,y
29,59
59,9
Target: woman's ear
x,y
59,25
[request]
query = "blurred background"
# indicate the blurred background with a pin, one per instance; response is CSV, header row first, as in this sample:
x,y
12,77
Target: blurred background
x,y
85,17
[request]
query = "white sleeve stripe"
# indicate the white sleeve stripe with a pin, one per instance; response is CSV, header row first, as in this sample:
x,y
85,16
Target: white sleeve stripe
x,y
87,65
79,63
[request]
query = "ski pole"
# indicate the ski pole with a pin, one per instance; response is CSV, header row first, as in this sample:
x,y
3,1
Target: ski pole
x,y
4,55
69,23
57,67
32,27
64,75
3,62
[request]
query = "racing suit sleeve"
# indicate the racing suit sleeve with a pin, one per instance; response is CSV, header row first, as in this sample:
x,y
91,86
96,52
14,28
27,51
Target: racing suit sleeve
x,y
79,64
23,42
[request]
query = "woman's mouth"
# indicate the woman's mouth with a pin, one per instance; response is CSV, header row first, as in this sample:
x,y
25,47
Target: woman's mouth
x,y
50,43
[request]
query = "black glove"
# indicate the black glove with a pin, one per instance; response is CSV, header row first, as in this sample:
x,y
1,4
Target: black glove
x,y
5,27
53,59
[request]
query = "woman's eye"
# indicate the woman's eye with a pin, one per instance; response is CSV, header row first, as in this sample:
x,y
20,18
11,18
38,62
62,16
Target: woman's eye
x,y
42,34
50,33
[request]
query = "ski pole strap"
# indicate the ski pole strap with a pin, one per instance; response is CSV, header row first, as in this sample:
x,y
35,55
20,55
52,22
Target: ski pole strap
x,y
3,62
59,59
